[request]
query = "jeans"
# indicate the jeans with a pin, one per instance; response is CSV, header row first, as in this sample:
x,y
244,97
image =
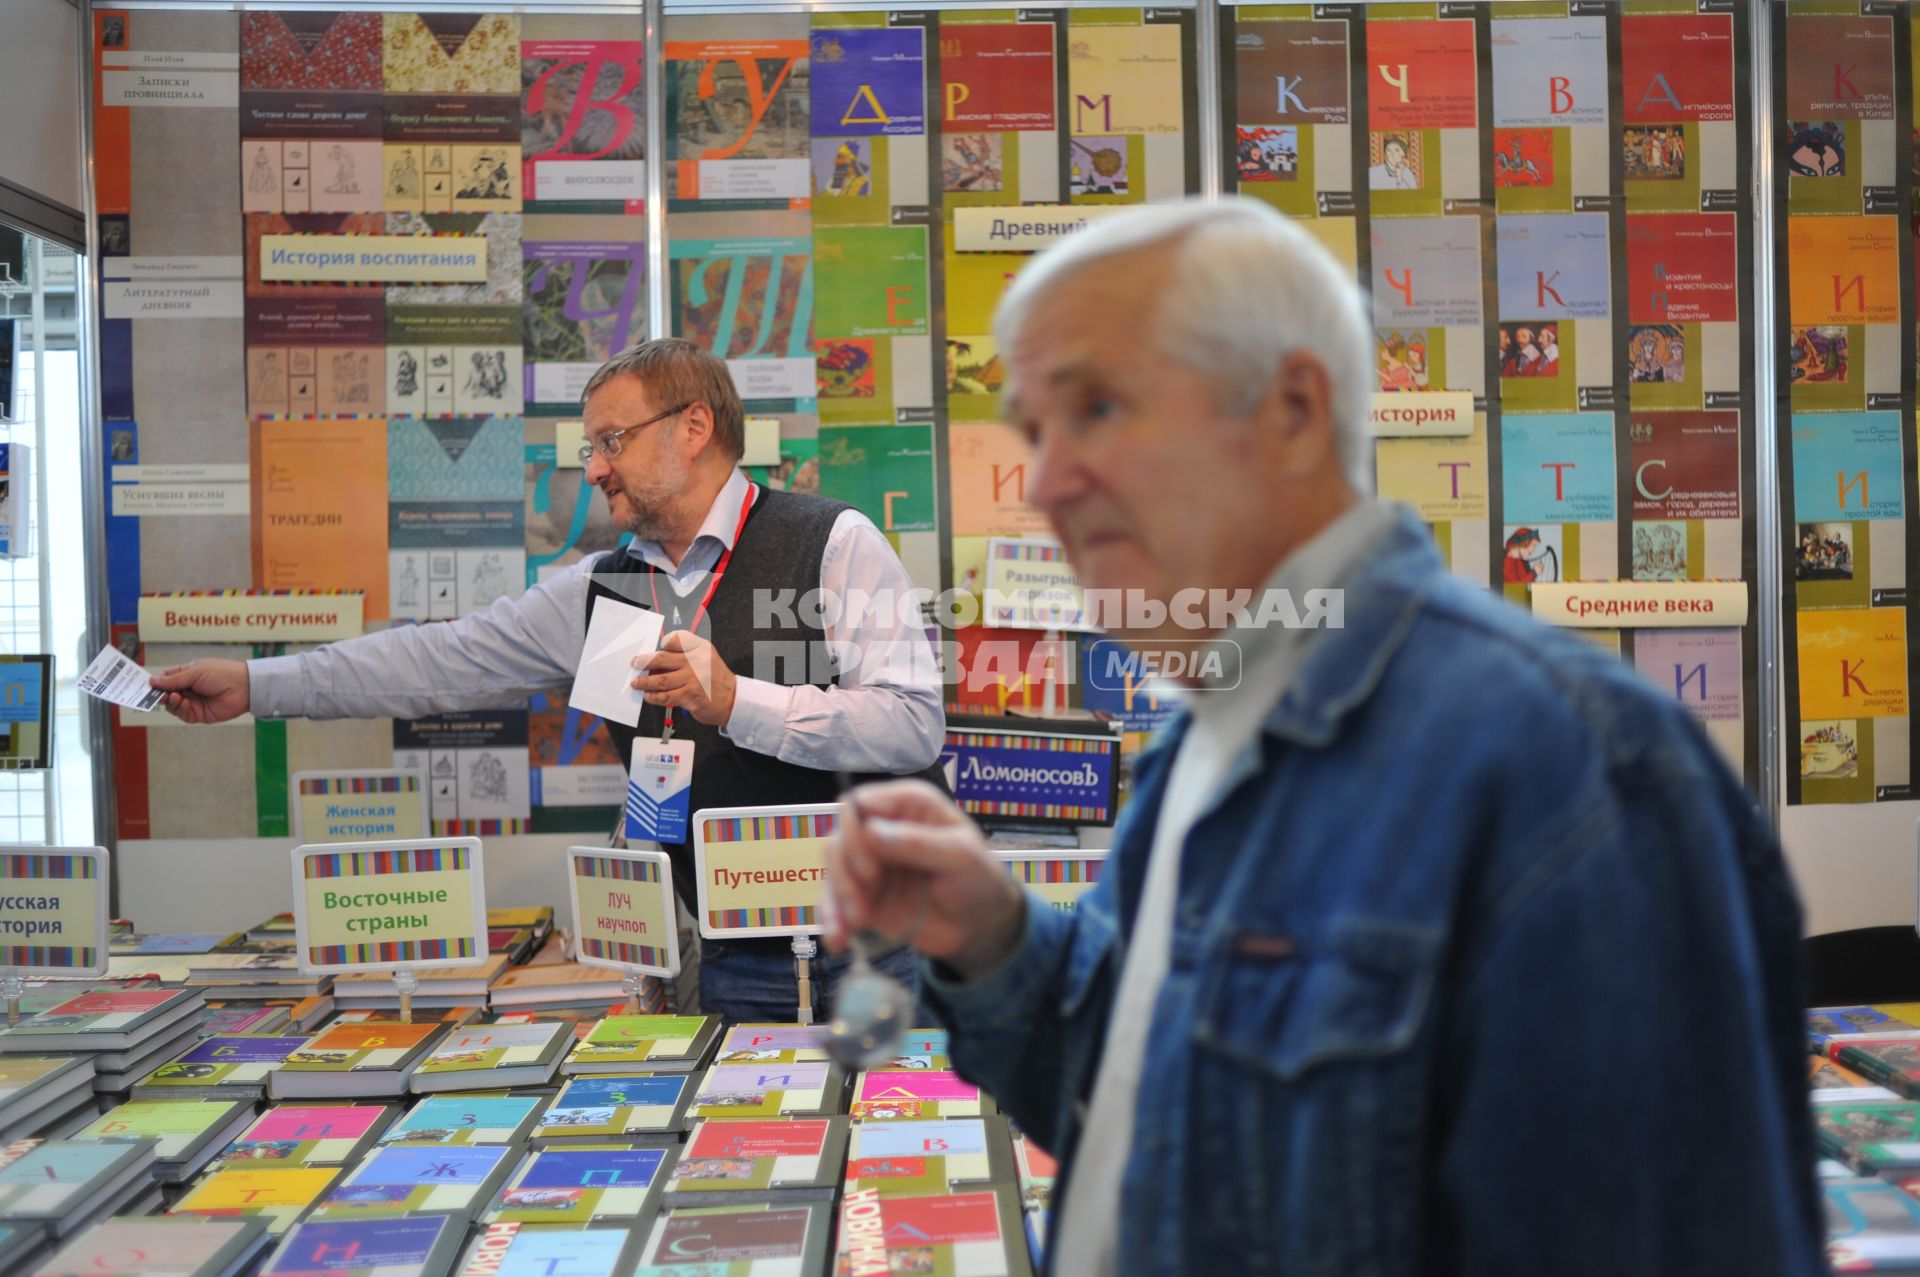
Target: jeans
x,y
752,981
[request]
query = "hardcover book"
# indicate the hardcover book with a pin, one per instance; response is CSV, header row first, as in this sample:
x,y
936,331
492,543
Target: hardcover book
x,y
773,1044
1832,1083
493,1056
29,1083
977,1233
63,1184
398,1179
509,1248
160,1246
277,1197
598,1107
894,1094
373,1059
452,1120
310,1135
411,1246
101,1020
187,1133
584,1184
745,1240
1872,1225
1892,1060
620,1043
928,1157
770,1090
1869,1137
224,1067
732,1159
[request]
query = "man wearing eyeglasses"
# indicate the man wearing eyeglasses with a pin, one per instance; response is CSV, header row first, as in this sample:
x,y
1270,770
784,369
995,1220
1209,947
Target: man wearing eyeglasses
x,y
724,561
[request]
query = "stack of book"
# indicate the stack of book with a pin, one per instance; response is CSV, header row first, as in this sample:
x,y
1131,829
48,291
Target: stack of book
x,y
226,1067
255,977
185,1135
54,1188
439,987
45,1095
126,1032
192,1247
374,1059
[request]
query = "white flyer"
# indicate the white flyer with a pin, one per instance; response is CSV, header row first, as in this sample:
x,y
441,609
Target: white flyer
x,y
616,633
113,678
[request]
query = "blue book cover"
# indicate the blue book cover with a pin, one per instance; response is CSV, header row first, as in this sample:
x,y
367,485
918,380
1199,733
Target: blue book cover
x,y
359,1245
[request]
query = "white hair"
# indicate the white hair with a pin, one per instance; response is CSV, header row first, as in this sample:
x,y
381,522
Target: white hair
x,y
1248,287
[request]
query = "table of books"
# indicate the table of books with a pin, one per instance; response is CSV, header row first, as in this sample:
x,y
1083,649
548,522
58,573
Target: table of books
x,y
207,1109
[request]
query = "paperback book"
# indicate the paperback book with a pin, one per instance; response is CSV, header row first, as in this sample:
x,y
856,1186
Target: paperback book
x,y
770,1090
225,1067
187,1133
897,1094
277,1197
929,1157
411,1246
398,1179
976,1233
659,1043
745,1240
61,1185
494,1056
310,1135
375,1059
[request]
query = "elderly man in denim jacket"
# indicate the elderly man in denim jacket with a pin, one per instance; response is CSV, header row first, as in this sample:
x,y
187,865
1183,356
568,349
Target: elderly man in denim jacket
x,y
1432,941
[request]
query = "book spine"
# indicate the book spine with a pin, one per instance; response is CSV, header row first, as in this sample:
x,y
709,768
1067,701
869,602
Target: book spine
x,y
1874,1069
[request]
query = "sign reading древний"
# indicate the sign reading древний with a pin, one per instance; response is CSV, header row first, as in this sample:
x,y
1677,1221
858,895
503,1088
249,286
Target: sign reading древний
x,y
374,259
1024,228
53,910
248,617
1640,605
377,906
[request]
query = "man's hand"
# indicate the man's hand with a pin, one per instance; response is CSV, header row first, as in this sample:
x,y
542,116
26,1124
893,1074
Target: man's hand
x,y
207,691
687,673
911,866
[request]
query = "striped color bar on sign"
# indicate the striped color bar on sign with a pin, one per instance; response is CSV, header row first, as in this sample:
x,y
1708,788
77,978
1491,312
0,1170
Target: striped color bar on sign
x,y
359,785
1030,553
27,868
614,867
1054,744
771,828
397,861
790,917
1056,871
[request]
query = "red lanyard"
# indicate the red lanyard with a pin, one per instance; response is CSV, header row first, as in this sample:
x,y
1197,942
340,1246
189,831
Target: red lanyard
x,y
719,571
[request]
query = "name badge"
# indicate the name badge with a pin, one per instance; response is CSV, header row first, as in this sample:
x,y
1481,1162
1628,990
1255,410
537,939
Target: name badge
x,y
660,790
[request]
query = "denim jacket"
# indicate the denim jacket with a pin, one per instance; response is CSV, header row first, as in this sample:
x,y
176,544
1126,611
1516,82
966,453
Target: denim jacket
x,y
1483,964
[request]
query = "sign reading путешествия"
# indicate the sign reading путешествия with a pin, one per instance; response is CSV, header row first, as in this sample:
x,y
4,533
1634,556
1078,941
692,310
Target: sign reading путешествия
x,y
760,870
374,259
53,910
379,906
623,910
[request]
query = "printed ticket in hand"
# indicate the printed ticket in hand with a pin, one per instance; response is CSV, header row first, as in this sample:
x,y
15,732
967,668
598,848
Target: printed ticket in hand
x,y
113,678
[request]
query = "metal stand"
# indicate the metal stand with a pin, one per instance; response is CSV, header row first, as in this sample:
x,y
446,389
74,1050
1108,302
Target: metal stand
x,y
406,982
13,987
630,982
803,951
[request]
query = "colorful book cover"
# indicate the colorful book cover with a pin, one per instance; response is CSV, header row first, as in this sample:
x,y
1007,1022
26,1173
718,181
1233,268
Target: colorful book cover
x,y
583,102
511,1249
743,1240
998,77
159,1246
1872,1225
477,764
586,301
1833,1083
737,122
771,1090
225,1062
625,1105
467,1119
467,1057
885,472
319,489
277,1197
750,301
538,918
22,1074
1558,467
620,1041
1035,1171
1869,1137
1554,266
176,1126
319,1135
773,1044
727,1156
396,1179
50,1181
583,1184
454,515
892,1095
370,1048
102,1011
417,1246
868,81
924,1157
972,1232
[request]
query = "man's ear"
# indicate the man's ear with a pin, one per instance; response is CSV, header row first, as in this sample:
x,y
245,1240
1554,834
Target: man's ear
x,y
697,428
1300,405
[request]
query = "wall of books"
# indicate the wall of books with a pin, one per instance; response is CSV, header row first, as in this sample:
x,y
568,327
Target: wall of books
x,y
1548,201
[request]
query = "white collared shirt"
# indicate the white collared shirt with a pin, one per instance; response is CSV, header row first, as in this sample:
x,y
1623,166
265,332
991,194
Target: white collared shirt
x,y
883,714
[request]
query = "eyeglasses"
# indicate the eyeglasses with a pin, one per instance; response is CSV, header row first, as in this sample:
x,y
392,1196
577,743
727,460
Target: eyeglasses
x,y
608,445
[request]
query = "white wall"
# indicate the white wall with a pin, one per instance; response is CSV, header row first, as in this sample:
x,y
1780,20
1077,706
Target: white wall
x,y
40,98
1854,865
